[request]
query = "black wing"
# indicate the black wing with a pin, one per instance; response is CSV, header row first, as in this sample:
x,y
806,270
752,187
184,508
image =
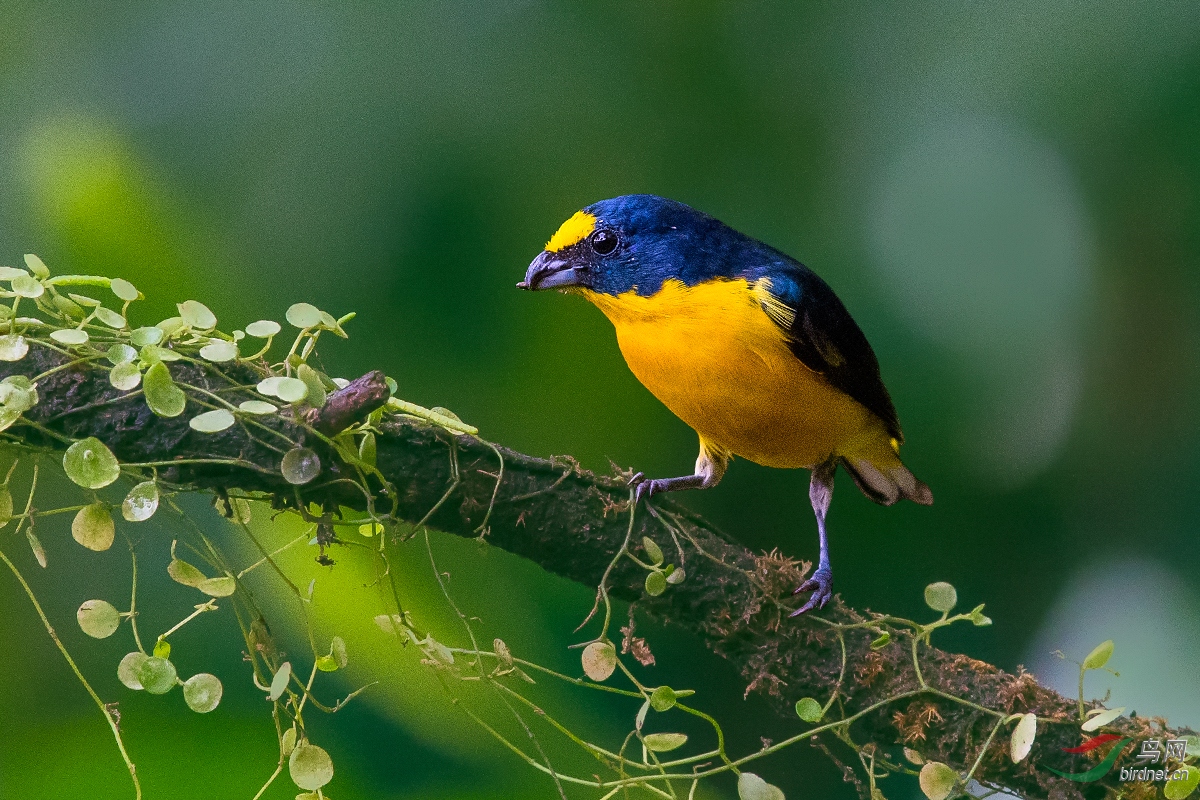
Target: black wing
x,y
823,335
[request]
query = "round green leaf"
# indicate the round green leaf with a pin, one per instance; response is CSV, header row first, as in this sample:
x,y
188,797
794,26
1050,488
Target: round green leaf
x,y
881,641
599,660
664,742
288,743
120,353
93,527
98,618
110,318
640,719
280,681
1022,738
8,273
752,787
367,449
676,576
185,573
263,328
37,266
941,596
653,551
84,300
8,417
68,306
300,465
146,336
1179,788
337,649
291,390
162,649
152,352
125,376
157,675
314,389
123,289
18,394
211,421
219,351
27,286
1099,656
304,315
69,336
90,464
162,395
221,586
172,326
663,698
13,347
257,407
202,692
197,315
269,386
326,664
141,502
937,780
656,583
1099,720
310,766
129,669
809,709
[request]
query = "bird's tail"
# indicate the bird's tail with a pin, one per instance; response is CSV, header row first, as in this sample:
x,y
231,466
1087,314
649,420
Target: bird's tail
x,y
877,470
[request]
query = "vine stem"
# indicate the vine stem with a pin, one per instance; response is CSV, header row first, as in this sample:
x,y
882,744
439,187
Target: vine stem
x,y
211,605
133,599
982,752
137,786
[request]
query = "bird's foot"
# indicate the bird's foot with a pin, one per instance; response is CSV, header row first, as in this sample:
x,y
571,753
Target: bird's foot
x,y
821,586
645,487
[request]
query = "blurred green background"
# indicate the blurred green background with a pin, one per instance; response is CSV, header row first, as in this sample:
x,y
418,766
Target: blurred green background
x,y
1006,196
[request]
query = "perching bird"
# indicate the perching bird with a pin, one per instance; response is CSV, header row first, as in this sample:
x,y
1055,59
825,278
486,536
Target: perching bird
x,y
743,343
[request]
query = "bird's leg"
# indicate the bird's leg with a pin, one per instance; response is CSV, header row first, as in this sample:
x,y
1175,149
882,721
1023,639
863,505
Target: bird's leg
x,y
710,466
820,492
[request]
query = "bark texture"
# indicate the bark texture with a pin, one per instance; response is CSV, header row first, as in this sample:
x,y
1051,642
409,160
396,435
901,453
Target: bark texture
x,y
571,522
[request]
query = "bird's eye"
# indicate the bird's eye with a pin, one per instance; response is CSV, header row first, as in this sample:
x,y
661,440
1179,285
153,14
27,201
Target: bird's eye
x,y
604,242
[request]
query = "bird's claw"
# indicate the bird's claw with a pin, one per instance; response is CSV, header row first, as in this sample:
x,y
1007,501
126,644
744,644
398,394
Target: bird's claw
x,y
821,586
642,487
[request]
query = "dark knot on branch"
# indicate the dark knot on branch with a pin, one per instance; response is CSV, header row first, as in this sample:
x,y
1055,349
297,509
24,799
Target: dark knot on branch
x,y
350,404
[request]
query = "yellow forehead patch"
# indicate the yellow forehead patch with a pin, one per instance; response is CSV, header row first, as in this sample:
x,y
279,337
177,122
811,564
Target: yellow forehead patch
x,y
572,231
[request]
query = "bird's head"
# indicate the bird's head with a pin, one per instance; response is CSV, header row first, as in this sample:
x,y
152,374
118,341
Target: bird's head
x,y
633,244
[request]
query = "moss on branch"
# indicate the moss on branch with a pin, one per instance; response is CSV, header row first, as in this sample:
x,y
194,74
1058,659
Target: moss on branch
x,y
572,522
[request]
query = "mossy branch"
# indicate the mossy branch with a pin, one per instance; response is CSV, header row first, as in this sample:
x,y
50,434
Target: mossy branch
x,y
897,689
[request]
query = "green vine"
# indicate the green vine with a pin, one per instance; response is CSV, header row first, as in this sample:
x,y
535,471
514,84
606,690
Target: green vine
x,y
168,365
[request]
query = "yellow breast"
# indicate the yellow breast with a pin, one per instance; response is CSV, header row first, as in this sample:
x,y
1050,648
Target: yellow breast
x,y
714,357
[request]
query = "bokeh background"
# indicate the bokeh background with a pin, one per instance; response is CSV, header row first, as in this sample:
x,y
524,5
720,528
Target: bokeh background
x,y
1006,195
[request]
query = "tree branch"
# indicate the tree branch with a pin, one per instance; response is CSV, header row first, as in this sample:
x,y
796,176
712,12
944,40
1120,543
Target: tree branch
x,y
571,523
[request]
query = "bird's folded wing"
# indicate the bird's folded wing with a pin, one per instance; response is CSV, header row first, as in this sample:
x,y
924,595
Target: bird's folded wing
x,y
823,335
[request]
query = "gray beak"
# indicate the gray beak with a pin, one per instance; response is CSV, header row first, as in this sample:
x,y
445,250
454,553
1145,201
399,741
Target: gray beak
x,y
549,271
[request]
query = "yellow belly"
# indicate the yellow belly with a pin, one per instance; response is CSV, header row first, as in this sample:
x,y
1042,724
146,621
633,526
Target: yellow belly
x,y
713,356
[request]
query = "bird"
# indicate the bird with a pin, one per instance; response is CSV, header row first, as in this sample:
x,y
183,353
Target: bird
x,y
743,343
